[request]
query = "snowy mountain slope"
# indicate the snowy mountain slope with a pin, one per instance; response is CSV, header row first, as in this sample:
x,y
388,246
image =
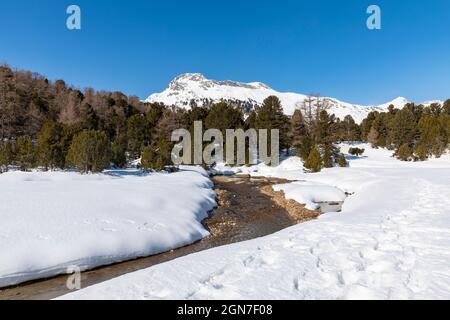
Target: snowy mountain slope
x,y
194,89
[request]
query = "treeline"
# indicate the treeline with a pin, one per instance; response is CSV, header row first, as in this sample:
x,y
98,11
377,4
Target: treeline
x,y
53,126
414,132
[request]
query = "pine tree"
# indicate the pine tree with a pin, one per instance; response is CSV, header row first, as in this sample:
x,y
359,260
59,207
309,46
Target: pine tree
x,y
223,116
421,152
138,135
404,128
324,123
328,156
118,151
6,155
446,107
352,131
356,151
271,116
299,136
314,161
404,153
157,156
53,145
89,119
90,151
342,162
250,122
432,135
24,153
366,125
380,130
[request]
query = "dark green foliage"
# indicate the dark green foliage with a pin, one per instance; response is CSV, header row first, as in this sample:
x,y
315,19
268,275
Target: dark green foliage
x,y
53,144
155,113
89,119
342,162
157,156
323,129
270,116
403,127
223,116
138,135
433,136
328,156
299,136
352,130
314,161
24,153
118,151
89,152
366,125
250,122
356,151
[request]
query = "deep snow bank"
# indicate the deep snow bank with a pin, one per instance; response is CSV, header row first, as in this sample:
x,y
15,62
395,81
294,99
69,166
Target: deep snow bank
x,y
49,221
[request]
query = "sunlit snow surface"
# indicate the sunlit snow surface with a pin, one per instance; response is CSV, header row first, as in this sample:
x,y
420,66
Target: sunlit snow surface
x,y
52,220
391,241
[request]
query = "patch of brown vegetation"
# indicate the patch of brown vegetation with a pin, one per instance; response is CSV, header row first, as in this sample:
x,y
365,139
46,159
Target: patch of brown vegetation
x,y
297,212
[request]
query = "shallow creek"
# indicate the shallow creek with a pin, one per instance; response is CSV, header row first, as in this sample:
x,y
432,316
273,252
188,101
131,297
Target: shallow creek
x,y
248,208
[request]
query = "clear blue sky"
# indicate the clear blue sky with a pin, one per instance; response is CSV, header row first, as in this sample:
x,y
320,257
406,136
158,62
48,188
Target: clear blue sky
x,y
304,46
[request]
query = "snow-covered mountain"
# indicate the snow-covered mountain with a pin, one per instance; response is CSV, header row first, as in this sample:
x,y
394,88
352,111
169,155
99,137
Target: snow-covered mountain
x,y
192,89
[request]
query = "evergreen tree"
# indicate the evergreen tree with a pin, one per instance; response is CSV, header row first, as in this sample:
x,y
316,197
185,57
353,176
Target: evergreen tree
x,y
299,136
223,116
404,153
118,151
366,125
24,153
89,119
432,135
352,132
138,135
328,156
342,162
6,155
404,128
356,151
157,156
421,152
250,122
314,161
155,113
271,116
380,127
53,143
90,151
324,123
446,107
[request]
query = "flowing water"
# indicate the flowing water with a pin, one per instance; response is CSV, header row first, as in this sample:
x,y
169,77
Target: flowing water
x,y
248,208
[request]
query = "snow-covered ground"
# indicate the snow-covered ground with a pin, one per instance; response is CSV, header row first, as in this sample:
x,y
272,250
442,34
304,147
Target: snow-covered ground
x,y
391,241
52,220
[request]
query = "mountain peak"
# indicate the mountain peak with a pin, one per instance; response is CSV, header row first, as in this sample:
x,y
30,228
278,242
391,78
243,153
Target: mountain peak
x,y
194,89
196,77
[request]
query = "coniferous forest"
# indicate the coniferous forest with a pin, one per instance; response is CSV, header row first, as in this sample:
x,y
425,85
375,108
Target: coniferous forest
x,y
51,125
